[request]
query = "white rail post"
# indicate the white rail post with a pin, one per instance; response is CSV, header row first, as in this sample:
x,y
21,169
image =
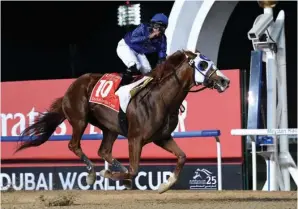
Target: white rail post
x,y
254,162
219,163
107,180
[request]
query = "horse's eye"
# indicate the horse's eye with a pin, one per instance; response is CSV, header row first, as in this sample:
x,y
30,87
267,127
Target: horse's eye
x,y
203,65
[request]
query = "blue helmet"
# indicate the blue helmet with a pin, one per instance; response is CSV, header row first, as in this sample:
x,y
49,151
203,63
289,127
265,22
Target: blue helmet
x,y
160,18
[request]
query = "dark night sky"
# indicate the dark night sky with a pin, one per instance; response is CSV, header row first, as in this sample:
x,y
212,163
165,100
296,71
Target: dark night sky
x,y
38,34
36,38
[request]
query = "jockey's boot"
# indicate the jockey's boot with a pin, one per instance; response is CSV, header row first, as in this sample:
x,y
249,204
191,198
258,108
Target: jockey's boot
x,y
133,70
127,76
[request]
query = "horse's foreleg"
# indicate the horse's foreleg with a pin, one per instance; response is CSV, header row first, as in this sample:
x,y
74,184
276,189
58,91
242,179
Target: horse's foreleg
x,y
170,145
135,149
105,152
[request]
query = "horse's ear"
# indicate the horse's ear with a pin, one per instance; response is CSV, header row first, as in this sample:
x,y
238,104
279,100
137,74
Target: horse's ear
x,y
189,54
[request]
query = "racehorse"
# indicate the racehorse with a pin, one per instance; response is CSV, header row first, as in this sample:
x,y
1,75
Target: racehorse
x,y
152,114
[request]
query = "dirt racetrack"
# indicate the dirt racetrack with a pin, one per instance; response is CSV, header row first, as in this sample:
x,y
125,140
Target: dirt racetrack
x,y
148,200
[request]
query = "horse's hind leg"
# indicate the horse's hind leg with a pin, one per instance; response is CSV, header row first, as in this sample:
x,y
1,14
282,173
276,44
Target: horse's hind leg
x,y
76,115
75,146
105,152
170,145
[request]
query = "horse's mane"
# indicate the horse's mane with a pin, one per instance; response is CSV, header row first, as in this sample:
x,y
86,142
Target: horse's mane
x,y
162,70
167,68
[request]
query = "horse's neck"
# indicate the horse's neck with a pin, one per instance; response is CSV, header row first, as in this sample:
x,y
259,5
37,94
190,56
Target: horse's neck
x,y
173,92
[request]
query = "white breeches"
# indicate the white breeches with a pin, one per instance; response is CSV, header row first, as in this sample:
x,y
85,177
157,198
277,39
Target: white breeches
x,y
130,57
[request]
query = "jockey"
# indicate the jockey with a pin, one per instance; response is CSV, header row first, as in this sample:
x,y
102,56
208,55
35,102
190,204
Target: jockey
x,y
146,38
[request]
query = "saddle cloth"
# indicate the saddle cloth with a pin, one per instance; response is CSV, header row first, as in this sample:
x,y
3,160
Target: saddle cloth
x,y
105,91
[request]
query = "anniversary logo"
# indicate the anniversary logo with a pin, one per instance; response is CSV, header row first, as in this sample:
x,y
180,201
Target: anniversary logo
x,y
203,179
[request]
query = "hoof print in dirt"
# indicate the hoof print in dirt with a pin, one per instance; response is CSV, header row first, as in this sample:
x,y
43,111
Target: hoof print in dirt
x,y
57,201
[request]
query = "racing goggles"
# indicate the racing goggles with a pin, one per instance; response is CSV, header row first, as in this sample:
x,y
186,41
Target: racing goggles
x,y
160,26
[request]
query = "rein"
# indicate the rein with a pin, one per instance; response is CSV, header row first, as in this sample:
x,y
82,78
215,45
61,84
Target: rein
x,y
192,64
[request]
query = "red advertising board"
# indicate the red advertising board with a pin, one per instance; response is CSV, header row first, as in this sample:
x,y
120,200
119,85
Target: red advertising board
x,y
21,102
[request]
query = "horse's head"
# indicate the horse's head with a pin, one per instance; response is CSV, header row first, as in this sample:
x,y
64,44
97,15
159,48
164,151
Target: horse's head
x,y
206,73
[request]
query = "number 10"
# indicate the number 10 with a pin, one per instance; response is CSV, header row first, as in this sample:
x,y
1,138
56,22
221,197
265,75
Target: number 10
x,y
104,88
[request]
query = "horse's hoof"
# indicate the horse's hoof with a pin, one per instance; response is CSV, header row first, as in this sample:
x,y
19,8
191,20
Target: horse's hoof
x,y
105,173
163,188
91,178
166,186
128,184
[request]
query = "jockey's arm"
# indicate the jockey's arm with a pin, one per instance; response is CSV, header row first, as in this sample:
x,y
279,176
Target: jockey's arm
x,y
137,35
162,54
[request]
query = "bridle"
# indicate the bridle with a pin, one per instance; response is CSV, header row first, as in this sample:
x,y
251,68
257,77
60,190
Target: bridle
x,y
191,62
206,83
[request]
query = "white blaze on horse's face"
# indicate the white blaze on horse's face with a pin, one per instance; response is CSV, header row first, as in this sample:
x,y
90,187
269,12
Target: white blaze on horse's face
x,y
202,75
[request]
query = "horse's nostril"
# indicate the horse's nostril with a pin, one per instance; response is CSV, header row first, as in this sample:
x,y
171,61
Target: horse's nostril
x,y
224,82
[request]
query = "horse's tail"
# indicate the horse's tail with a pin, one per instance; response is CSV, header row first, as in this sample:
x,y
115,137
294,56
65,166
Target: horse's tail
x,y
43,127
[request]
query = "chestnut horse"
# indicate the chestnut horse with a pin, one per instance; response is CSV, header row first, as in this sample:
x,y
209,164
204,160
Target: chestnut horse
x,y
152,115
